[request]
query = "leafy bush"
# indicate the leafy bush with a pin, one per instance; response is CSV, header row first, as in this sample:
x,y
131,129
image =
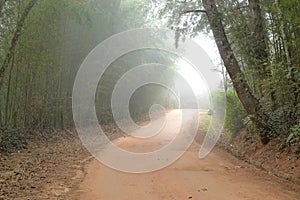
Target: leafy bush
x,y
294,137
281,118
218,101
235,113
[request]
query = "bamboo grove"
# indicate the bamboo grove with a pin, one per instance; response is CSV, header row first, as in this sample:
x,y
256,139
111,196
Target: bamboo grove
x,y
43,44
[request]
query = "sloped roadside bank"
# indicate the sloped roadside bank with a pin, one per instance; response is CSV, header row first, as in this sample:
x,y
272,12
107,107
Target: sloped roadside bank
x,y
49,166
281,162
46,169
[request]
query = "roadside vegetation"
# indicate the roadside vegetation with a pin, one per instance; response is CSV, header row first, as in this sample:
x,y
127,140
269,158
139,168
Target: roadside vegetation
x,y
258,43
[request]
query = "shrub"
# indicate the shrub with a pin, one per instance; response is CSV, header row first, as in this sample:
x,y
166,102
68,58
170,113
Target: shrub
x,y
218,103
235,113
294,137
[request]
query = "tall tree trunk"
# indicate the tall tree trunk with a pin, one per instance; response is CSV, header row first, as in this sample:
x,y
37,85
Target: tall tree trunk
x,y
257,27
7,104
283,34
250,103
259,48
15,40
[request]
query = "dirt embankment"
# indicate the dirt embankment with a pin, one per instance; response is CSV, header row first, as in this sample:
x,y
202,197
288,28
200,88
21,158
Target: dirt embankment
x,y
281,162
50,166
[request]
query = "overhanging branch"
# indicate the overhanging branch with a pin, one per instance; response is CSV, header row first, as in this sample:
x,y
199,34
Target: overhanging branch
x,y
193,11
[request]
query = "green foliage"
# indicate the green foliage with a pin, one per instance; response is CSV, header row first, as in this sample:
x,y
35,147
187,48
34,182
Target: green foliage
x,y
281,118
270,63
105,116
204,123
294,137
218,99
235,113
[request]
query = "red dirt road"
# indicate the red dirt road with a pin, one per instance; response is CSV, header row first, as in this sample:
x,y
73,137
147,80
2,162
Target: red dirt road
x,y
219,176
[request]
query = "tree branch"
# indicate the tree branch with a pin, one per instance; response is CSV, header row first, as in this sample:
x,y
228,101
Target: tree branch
x,y
193,11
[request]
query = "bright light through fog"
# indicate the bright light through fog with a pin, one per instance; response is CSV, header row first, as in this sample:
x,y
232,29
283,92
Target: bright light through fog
x,y
210,47
189,72
194,79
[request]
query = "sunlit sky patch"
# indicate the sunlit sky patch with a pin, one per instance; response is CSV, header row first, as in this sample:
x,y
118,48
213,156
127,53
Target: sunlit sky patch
x,y
195,80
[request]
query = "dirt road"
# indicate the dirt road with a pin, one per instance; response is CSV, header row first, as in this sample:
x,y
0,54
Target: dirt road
x,y
218,176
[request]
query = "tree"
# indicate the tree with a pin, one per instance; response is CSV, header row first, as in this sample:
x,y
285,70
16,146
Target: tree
x,y
251,104
257,44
